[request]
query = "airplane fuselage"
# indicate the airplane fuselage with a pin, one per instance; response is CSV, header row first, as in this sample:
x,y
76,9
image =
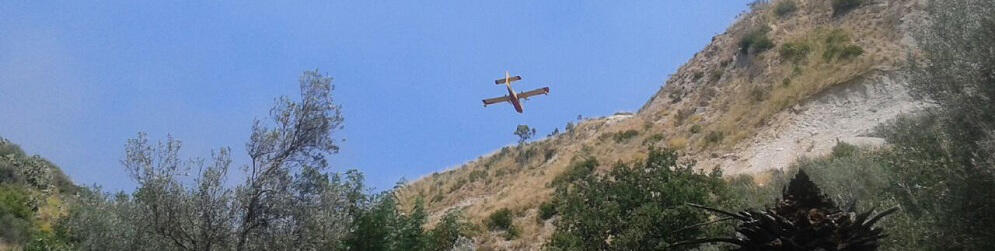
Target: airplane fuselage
x,y
514,97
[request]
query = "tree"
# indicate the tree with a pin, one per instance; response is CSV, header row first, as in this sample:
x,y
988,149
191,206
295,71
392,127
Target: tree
x,y
524,133
286,202
947,157
411,236
190,220
630,208
374,226
300,139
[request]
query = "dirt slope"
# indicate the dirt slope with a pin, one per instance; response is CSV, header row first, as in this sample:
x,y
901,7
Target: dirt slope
x,y
741,110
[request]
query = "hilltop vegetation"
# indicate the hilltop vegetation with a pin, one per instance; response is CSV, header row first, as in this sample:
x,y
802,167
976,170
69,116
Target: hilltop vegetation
x,y
33,194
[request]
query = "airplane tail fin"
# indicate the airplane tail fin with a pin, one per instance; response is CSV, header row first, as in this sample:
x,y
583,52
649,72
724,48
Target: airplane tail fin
x,y
511,79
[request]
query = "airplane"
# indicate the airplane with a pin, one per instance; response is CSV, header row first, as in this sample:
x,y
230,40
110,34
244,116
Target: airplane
x,y
512,97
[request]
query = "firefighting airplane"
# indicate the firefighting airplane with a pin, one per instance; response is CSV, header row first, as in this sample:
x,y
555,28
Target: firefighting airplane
x,y
512,97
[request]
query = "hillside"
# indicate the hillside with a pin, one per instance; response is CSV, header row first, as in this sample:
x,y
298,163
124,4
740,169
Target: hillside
x,y
33,195
780,83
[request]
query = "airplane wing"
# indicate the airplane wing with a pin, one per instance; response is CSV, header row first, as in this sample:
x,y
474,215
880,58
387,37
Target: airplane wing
x,y
496,100
525,95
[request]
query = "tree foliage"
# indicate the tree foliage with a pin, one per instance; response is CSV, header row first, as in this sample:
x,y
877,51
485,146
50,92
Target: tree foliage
x,y
524,133
287,201
946,158
631,208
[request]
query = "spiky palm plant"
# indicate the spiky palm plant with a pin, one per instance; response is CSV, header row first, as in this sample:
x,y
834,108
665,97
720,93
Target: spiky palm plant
x,y
804,219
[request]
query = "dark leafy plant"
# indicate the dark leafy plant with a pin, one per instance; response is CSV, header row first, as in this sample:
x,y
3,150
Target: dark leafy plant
x,y
804,219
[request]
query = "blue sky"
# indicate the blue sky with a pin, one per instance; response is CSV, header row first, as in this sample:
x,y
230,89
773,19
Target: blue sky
x,y
77,79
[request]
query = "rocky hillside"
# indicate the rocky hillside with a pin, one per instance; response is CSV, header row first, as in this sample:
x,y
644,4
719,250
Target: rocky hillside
x,y
788,79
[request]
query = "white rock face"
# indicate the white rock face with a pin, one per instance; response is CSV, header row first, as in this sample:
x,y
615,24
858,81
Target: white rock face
x,y
846,113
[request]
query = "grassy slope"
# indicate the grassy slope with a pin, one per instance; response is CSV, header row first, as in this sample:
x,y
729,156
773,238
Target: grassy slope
x,y
720,92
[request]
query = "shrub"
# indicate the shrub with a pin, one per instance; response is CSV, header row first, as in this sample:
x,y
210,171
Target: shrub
x,y
838,46
477,175
850,51
15,214
459,184
526,153
451,228
547,210
843,6
756,41
714,136
785,7
625,135
653,139
499,220
716,75
511,233
795,51
548,153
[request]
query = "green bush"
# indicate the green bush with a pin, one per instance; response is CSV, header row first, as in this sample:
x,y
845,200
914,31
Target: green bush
x,y
452,226
15,215
756,41
625,135
838,46
795,51
500,219
637,207
785,7
547,210
850,51
843,6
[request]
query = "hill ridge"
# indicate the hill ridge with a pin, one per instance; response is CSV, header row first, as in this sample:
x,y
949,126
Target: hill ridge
x,y
768,73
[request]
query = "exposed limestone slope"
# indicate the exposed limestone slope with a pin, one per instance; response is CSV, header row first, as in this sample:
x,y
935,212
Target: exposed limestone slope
x,y
741,112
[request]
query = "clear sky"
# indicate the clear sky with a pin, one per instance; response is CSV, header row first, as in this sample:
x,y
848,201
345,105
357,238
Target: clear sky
x,y
78,78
